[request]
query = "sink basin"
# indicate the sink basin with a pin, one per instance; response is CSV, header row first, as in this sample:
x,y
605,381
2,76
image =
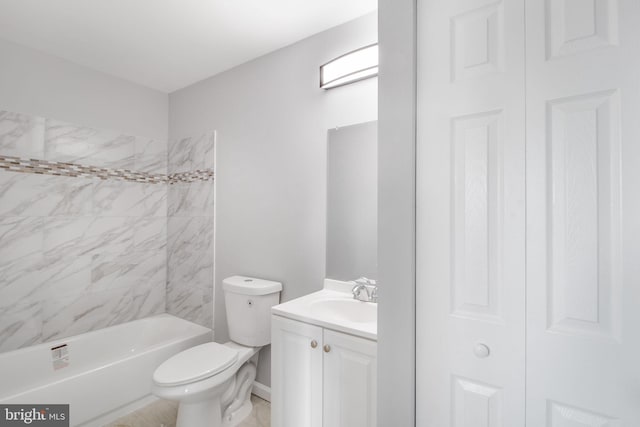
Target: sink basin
x,y
333,308
344,309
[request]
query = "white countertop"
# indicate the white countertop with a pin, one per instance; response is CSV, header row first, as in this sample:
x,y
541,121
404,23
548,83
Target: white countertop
x,y
301,309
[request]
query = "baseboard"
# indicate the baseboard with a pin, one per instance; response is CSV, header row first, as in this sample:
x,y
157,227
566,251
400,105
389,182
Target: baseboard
x,y
262,391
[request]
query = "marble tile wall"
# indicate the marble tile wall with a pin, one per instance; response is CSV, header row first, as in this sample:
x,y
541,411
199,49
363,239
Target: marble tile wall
x,y
190,230
78,253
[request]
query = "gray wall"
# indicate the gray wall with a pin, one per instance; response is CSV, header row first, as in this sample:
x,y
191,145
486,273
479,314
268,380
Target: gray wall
x,y
38,84
396,214
271,120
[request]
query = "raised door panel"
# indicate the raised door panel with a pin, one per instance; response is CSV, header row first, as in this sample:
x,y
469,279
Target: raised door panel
x,y
350,385
477,37
296,372
476,404
576,26
477,207
583,232
584,214
561,415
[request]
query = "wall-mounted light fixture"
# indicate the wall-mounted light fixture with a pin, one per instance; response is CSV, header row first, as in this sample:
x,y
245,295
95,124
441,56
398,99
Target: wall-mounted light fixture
x,y
351,67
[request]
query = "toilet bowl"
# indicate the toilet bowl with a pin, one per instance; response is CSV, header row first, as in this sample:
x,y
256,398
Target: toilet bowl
x,y
212,382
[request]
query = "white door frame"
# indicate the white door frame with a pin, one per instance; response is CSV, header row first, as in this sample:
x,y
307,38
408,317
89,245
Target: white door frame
x,y
396,213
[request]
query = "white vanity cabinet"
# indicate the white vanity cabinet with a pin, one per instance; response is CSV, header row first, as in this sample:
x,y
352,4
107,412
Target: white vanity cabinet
x,y
349,380
321,377
296,373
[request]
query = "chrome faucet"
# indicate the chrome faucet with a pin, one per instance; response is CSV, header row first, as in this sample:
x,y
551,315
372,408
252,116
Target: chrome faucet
x,y
368,286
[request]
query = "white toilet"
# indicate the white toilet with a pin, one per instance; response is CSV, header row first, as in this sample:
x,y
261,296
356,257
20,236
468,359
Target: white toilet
x,y
213,381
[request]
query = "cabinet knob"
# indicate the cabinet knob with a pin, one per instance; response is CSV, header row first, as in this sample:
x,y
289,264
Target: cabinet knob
x,y
327,348
314,344
481,350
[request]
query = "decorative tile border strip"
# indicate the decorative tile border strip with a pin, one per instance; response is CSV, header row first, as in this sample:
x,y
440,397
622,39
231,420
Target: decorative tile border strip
x,y
192,176
45,167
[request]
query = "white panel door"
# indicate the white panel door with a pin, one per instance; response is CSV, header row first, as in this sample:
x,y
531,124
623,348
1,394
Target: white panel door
x,y
470,214
296,373
350,386
583,213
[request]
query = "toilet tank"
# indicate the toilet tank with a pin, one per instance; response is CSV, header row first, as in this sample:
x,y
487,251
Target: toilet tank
x,y
248,303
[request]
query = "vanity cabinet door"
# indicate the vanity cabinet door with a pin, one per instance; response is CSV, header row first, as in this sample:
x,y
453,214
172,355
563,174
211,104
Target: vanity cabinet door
x,y
349,380
296,370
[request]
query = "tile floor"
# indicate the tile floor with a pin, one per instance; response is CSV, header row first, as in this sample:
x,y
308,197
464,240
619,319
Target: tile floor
x,y
163,414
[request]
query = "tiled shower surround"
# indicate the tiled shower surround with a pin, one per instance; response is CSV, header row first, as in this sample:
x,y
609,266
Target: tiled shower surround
x,y
190,222
96,229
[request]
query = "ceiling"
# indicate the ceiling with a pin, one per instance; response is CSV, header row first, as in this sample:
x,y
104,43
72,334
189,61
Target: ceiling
x,y
168,44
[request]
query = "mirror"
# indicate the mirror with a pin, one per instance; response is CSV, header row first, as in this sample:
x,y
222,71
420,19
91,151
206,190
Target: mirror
x,y
352,202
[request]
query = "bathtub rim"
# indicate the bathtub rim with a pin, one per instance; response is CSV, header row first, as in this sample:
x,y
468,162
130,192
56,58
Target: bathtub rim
x,y
198,330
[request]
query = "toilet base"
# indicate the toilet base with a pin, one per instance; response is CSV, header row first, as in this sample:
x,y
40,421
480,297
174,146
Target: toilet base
x,y
238,416
212,413
199,414
225,409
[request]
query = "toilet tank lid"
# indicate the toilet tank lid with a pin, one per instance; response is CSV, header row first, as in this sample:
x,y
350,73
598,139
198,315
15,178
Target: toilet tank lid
x,y
250,285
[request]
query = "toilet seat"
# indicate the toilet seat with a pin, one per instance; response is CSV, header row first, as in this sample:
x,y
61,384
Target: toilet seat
x,y
195,364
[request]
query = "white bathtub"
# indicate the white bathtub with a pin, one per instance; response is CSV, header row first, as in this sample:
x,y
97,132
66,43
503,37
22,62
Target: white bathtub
x,y
109,371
